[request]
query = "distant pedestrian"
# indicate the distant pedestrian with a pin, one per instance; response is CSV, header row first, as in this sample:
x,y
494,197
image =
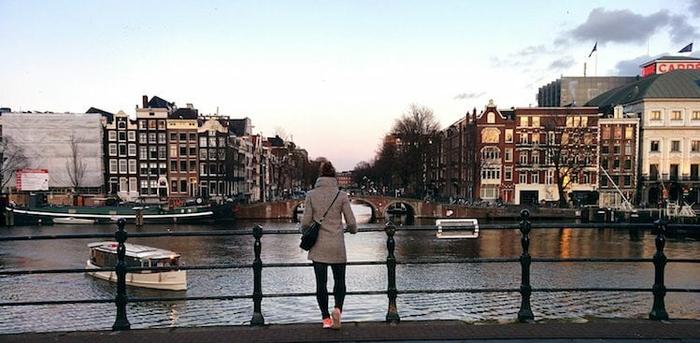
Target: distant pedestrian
x,y
329,249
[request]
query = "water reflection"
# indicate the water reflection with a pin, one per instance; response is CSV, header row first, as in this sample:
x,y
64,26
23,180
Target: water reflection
x,y
411,246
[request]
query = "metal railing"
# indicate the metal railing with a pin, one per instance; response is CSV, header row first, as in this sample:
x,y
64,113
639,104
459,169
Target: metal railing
x,y
525,314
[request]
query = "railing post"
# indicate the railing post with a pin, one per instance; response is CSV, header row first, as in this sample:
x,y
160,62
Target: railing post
x,y
392,314
121,322
525,312
258,318
658,309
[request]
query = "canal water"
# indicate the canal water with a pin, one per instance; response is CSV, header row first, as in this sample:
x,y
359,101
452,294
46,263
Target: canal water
x,y
410,246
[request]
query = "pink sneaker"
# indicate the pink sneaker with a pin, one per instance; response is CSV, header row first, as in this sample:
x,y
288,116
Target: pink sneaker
x,y
327,323
336,318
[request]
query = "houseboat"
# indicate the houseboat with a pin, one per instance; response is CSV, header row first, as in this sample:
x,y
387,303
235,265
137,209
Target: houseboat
x,y
104,255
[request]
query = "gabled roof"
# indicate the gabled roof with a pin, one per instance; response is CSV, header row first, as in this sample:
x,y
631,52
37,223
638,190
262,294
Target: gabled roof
x,y
158,102
109,116
677,84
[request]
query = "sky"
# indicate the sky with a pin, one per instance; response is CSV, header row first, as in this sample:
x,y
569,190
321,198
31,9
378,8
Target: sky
x,y
332,76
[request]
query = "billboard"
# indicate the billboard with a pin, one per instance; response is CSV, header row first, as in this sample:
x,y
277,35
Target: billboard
x,y
32,179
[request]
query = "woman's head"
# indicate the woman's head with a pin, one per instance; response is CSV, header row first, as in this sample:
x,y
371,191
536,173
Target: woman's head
x,y
327,169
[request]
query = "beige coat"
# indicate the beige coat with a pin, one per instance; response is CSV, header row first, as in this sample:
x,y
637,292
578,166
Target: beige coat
x,y
330,246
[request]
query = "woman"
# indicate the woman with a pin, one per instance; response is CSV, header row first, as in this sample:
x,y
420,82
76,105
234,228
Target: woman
x,y
329,249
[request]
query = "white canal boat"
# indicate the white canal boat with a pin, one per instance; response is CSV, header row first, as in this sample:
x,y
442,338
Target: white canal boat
x,y
104,255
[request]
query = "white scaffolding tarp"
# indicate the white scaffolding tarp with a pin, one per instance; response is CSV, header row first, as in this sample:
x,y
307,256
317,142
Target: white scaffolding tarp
x,y
45,139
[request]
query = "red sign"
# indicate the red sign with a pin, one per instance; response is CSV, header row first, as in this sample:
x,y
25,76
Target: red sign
x,y
661,67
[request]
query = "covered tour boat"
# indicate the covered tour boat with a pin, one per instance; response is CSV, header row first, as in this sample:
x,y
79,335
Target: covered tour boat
x,y
104,255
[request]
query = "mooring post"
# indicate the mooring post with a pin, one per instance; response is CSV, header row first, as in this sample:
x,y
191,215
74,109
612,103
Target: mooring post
x,y
121,322
525,312
392,314
258,318
658,309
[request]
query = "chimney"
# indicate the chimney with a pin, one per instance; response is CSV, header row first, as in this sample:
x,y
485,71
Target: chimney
x,y
144,100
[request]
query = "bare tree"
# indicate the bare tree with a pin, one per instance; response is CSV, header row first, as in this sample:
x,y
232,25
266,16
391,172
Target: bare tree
x,y
568,151
75,166
11,158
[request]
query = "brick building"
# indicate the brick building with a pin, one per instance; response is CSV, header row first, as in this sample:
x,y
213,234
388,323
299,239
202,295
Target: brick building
x,y
494,154
183,154
618,158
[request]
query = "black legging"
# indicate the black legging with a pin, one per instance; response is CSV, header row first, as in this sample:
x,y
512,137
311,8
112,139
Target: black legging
x,y
321,271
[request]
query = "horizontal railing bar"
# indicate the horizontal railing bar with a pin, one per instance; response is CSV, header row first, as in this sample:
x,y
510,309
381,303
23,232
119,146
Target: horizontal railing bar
x,y
310,294
219,233
353,263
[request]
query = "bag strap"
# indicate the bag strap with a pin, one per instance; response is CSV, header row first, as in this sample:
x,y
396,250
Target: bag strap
x,y
329,207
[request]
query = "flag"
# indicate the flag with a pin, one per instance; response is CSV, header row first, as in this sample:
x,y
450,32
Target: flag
x,y
595,48
687,48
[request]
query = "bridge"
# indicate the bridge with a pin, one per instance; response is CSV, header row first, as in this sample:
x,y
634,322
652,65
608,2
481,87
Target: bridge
x,y
414,210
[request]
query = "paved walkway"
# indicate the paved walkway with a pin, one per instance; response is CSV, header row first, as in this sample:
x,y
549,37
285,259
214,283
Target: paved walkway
x,y
425,331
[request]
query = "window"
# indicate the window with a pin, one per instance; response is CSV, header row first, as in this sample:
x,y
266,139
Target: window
x,y
584,121
163,168
144,186
173,136
173,166
203,169
142,124
549,177
628,148
143,168
509,135
183,166
491,118
654,146
193,151
655,115
113,166
193,137
523,138
604,162
535,138
152,138
628,132
162,138
605,134
618,132
616,164
202,154
536,121
653,171
143,152
628,180
212,154
161,124
183,186
616,149
586,178
152,124
132,184
162,152
695,146
523,158
523,121
508,173
112,135
212,141
490,153
183,150
675,146
183,136
696,115
486,173
551,138
152,152
122,150
628,164
132,149
132,136
676,115
535,177
604,149
509,155
522,177
122,184
122,167
202,141
535,157
604,182
173,186
122,136
674,172
132,166
173,150
112,149
143,138
222,141
193,166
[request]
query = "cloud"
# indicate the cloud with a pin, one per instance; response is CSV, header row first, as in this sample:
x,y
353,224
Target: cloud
x,y
694,8
631,67
465,96
620,26
565,62
625,26
681,31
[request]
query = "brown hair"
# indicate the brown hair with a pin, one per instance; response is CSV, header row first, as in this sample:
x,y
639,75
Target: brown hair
x,y
327,169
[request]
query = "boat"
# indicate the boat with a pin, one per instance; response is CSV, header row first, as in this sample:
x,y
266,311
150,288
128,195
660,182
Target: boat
x,y
47,215
73,220
104,255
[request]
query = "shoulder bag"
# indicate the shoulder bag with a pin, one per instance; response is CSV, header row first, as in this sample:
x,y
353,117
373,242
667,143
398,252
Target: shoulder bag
x,y
309,237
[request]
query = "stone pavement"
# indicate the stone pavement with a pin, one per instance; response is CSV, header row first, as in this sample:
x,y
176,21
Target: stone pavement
x,y
624,330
